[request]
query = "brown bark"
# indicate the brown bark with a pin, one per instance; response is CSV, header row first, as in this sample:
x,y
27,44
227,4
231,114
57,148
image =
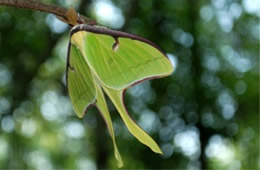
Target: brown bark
x,y
43,7
196,62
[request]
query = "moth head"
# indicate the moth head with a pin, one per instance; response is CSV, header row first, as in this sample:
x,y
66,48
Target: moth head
x,y
73,18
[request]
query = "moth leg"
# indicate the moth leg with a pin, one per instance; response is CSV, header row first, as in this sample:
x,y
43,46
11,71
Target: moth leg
x,y
115,45
72,68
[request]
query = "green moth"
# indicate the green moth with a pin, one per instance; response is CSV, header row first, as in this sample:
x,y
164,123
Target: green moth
x,y
104,60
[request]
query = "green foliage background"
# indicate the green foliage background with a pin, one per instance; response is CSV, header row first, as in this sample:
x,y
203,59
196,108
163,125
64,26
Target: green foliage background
x,y
206,115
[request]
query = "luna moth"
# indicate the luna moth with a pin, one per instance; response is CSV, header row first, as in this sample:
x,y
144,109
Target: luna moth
x,y
104,60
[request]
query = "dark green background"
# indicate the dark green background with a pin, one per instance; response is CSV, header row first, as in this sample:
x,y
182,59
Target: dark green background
x,y
204,116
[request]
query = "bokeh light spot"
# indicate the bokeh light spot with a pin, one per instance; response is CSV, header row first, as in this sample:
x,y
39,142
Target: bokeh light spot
x,y
206,13
167,150
108,14
220,149
240,87
188,141
56,25
28,127
8,124
174,61
3,148
5,75
74,130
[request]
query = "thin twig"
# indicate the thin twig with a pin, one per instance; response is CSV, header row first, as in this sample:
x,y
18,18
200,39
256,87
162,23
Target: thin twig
x,y
39,6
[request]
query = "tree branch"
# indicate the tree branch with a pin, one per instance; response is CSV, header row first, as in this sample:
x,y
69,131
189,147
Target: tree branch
x,y
60,12
35,5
